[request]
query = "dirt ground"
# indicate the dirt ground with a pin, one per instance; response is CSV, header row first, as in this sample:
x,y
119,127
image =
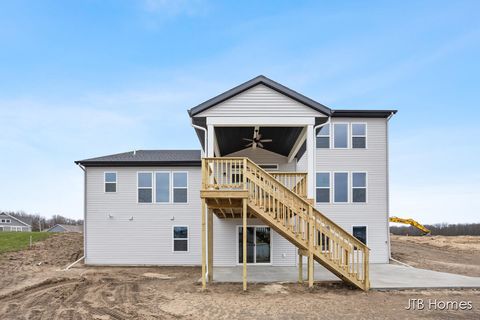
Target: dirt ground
x,y
460,254
32,286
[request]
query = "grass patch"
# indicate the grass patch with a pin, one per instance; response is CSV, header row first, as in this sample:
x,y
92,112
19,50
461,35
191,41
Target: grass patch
x,y
15,241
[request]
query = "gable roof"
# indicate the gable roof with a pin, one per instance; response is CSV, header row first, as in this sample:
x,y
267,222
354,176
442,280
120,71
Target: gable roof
x,y
147,158
68,227
252,83
6,214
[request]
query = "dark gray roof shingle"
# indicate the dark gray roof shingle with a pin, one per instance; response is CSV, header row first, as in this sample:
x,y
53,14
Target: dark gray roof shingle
x,y
147,158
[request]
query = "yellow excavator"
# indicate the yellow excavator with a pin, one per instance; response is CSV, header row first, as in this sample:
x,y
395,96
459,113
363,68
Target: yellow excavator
x,y
411,222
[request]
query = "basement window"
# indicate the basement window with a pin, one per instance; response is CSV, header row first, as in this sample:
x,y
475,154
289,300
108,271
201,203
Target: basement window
x,y
359,135
145,187
360,232
180,239
110,179
323,137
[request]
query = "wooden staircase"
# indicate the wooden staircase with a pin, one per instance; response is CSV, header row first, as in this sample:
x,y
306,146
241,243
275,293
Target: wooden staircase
x,y
284,208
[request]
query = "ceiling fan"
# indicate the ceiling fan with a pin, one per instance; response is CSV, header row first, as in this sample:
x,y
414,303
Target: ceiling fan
x,y
257,139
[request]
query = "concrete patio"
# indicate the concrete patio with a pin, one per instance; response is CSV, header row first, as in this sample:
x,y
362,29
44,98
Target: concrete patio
x,y
382,276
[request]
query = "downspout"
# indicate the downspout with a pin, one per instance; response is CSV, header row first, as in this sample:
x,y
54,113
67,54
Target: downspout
x,y
84,217
204,136
388,186
315,141
204,153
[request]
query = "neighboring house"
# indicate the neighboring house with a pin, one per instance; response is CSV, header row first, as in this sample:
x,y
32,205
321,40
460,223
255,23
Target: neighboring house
x,y
327,180
10,223
65,228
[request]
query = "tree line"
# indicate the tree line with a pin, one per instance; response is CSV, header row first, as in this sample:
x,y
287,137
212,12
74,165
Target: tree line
x,y
441,229
40,223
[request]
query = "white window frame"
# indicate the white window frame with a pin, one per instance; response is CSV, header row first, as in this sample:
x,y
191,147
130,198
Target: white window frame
x,y
358,136
173,187
187,238
255,226
366,231
6,221
170,190
329,187
332,133
330,144
352,187
152,188
269,164
105,182
348,187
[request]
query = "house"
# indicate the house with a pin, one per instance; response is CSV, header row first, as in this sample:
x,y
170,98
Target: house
x,y
10,223
309,184
65,228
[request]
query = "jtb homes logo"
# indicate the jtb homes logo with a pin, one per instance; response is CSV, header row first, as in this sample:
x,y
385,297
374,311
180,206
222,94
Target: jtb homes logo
x,y
434,304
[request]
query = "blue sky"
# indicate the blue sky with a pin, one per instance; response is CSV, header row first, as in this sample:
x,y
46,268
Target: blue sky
x,y
86,78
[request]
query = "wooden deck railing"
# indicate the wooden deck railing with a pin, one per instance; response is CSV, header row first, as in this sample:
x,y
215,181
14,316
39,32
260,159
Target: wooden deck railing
x,y
292,216
295,181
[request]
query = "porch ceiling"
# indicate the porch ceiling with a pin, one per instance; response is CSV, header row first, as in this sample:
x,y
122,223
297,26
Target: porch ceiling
x,y
230,139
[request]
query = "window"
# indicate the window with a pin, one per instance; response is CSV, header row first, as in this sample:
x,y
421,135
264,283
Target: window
x,y
323,137
273,166
180,189
180,239
6,221
340,187
359,135
145,187
110,181
340,135
359,187
360,232
323,187
162,187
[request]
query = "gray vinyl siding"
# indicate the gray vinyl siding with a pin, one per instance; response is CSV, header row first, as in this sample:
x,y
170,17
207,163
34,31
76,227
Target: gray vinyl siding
x,y
372,160
13,223
57,229
260,101
147,238
262,156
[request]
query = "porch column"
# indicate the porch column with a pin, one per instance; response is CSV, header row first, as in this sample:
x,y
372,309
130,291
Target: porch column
x,y
310,163
210,245
244,239
204,248
210,141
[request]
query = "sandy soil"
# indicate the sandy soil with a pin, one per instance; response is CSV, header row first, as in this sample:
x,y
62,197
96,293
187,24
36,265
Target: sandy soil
x,y
32,291
460,254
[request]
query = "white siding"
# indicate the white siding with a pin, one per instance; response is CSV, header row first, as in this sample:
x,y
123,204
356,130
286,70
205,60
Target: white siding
x,y
373,160
262,156
260,101
147,239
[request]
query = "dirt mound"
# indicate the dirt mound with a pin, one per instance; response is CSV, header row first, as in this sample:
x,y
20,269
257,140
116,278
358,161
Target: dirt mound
x,y
57,250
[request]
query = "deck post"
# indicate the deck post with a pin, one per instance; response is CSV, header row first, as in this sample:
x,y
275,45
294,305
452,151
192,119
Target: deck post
x,y
244,239
300,267
204,248
210,245
310,246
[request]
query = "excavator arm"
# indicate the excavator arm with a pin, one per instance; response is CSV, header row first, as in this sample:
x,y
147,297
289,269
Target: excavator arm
x,y
411,222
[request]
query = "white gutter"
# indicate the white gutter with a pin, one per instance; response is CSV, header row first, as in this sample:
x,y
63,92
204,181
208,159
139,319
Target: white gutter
x,y
388,189
204,137
204,153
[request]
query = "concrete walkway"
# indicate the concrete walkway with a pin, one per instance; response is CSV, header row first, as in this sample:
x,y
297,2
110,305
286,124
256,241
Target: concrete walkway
x,y
382,276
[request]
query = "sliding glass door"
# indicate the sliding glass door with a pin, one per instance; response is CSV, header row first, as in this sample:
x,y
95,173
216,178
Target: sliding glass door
x,y
258,244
